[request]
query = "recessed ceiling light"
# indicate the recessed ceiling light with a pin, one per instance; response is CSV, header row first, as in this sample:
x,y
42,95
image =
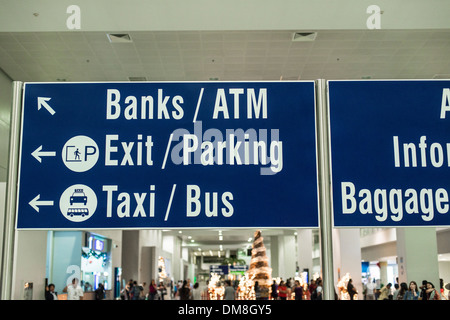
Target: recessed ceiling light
x,y
119,37
304,36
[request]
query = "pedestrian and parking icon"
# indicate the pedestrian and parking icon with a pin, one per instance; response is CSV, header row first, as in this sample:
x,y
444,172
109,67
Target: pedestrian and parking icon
x,y
80,153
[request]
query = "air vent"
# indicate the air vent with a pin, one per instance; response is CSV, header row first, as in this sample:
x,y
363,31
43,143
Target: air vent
x,y
137,78
119,37
304,36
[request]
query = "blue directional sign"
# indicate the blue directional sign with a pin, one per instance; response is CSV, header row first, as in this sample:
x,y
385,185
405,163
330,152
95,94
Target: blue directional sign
x,y
228,269
168,155
390,152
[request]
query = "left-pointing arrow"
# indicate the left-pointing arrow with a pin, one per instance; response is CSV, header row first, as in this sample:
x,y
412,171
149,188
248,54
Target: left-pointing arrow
x,y
35,203
42,102
38,154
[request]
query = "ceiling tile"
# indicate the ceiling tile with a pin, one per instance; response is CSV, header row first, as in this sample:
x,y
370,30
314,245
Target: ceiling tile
x,y
234,55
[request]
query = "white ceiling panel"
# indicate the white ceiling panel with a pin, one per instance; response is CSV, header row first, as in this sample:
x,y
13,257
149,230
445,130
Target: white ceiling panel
x,y
229,55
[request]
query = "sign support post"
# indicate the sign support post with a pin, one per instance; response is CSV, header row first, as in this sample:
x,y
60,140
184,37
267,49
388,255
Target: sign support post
x,y
11,194
323,162
135,155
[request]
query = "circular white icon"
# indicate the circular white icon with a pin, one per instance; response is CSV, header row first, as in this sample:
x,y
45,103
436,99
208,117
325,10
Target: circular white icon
x,y
80,153
78,203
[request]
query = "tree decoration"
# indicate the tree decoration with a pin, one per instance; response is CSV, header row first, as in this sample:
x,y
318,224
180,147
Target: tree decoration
x,y
161,269
215,289
96,255
343,294
246,288
259,263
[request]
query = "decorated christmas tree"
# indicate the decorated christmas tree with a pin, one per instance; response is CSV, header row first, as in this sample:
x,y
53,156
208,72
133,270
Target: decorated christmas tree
x,y
259,264
161,269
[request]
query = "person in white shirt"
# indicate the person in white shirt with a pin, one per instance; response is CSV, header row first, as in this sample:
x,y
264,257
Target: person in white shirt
x,y
74,291
370,290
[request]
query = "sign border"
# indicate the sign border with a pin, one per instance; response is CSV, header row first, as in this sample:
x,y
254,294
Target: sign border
x,y
331,158
19,160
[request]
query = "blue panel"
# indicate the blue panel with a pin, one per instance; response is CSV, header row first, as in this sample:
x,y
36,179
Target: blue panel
x,y
390,152
66,258
121,155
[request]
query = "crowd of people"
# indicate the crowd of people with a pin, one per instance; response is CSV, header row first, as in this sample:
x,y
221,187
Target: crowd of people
x,y
404,291
75,291
294,290
186,290
283,290
135,291
183,290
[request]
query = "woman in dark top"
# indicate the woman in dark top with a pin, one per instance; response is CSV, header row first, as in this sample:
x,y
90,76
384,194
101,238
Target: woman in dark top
x,y
350,289
184,291
298,290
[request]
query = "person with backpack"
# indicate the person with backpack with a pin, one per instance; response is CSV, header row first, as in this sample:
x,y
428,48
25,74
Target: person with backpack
x,y
136,291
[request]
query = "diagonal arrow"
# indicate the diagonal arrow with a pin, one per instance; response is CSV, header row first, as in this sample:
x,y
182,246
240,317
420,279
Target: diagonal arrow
x,y
38,154
35,203
42,102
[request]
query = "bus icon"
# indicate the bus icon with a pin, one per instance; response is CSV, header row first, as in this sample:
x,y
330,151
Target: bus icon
x,y
78,203
77,212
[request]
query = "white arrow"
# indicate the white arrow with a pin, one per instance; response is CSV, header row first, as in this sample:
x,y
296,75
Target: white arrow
x,y
35,203
38,154
42,102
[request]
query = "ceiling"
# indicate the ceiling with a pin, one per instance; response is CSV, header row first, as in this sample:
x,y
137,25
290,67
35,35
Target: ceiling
x,y
225,56
233,239
228,55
